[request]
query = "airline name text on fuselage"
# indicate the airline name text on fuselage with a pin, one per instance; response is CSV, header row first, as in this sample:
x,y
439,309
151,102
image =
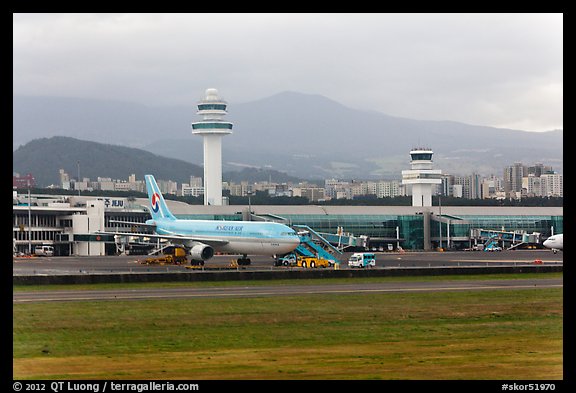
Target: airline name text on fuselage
x,y
229,228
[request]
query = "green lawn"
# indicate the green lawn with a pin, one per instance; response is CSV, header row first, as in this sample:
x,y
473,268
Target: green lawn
x,y
503,334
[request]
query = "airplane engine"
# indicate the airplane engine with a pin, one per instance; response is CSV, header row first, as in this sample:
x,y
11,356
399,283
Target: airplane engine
x,y
201,252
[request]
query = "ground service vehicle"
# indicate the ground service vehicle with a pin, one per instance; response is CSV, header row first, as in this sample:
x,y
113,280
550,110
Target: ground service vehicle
x,y
44,251
286,260
362,259
300,261
175,256
312,262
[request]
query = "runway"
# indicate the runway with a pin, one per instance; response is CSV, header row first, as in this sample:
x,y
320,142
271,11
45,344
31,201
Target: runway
x,y
384,260
282,290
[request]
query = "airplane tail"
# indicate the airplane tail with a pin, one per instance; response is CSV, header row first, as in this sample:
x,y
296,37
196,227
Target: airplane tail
x,y
158,208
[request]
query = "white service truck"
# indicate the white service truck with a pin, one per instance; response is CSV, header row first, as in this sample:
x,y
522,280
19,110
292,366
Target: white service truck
x,y
362,259
44,251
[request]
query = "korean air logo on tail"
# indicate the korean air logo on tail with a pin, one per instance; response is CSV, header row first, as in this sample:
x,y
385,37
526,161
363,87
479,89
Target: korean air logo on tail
x,y
155,202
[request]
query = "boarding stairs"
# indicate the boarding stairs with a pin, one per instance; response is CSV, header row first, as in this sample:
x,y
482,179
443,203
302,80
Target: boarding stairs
x,y
313,244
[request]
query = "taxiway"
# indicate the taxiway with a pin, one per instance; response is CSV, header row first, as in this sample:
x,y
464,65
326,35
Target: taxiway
x,y
132,264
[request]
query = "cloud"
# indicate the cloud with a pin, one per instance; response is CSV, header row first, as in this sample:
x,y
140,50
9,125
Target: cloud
x,y
488,69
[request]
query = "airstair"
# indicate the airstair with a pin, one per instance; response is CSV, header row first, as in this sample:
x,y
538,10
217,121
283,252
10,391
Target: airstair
x,y
313,244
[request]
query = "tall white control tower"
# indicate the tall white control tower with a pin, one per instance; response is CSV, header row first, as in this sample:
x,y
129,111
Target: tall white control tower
x,y
212,129
421,177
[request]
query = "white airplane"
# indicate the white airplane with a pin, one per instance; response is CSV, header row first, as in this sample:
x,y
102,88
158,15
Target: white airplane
x,y
203,237
555,242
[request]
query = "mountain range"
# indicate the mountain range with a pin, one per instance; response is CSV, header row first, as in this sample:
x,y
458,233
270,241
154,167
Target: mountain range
x,y
306,136
44,158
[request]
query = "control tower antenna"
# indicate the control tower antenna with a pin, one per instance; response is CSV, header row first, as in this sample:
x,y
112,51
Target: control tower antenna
x,y
212,128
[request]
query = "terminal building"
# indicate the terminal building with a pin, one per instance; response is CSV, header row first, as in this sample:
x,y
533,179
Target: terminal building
x,y
69,223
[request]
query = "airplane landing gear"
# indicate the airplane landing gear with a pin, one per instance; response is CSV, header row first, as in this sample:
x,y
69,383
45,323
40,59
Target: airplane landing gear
x,y
244,261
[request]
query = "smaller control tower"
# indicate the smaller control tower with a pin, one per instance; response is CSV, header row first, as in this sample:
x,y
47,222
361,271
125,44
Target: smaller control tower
x,y
212,129
421,177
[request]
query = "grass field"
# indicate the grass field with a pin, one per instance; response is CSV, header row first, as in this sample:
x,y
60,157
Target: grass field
x,y
504,334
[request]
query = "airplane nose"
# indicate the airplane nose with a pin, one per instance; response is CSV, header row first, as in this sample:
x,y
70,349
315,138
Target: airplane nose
x,y
295,242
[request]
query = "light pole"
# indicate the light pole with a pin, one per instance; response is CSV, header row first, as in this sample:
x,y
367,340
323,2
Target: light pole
x,y
29,221
78,181
440,216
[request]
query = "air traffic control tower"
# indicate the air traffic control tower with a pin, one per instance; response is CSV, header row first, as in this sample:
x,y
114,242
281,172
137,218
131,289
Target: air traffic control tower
x,y
212,129
421,177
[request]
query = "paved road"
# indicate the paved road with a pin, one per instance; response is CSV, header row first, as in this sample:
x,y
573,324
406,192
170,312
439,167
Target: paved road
x,y
127,264
282,290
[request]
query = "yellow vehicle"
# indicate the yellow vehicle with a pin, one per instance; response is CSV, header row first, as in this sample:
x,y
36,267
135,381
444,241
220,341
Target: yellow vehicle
x,y
177,256
312,262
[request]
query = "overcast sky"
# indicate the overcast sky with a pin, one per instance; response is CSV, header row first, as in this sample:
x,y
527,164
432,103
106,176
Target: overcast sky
x,y
502,70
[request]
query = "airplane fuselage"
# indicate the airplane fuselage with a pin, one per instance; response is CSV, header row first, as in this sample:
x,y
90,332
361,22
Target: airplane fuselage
x,y
555,242
241,237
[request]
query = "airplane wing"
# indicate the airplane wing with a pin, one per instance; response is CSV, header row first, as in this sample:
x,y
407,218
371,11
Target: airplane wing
x,y
210,241
136,224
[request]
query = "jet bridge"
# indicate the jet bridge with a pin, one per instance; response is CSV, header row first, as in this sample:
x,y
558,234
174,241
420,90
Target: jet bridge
x,y
508,239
